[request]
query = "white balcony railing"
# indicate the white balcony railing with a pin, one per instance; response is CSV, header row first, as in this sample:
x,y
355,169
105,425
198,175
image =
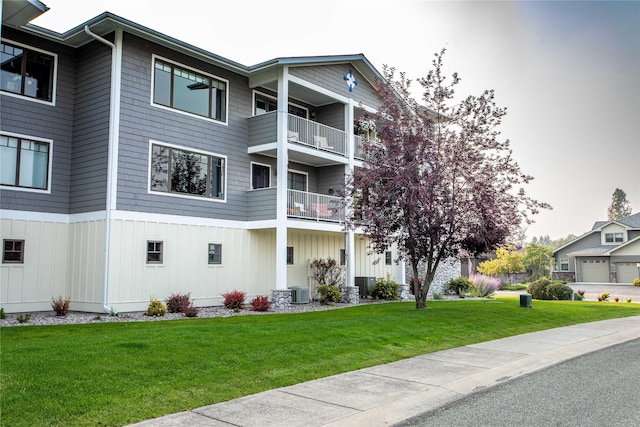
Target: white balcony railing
x,y
316,135
301,204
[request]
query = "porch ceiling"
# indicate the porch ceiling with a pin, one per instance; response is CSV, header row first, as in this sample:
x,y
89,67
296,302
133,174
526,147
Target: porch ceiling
x,y
301,154
302,93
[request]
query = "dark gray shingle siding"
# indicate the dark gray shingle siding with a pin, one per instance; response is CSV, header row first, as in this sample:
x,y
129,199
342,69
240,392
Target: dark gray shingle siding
x,y
35,119
140,122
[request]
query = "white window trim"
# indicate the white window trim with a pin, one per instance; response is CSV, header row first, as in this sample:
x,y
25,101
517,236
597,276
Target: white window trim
x,y
49,165
195,70
54,76
185,196
162,253
251,175
253,102
306,181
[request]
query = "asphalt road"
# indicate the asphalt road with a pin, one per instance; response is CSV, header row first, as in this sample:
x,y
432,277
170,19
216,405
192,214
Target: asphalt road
x,y
598,389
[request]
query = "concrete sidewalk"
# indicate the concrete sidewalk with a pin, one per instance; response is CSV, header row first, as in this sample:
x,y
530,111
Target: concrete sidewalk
x,y
387,394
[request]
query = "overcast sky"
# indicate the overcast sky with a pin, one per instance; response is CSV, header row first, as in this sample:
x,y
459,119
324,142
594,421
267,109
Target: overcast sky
x,y
568,72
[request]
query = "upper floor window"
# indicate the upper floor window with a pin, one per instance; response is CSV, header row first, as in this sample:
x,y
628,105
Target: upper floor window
x,y
27,72
24,163
260,176
189,91
265,103
613,237
297,181
388,258
176,170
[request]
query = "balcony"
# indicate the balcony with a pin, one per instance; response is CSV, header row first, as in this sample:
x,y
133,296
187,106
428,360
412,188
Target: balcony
x,y
300,205
309,142
313,206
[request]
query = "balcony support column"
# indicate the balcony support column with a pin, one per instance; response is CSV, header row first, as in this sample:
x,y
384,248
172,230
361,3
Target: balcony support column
x,y
282,166
349,238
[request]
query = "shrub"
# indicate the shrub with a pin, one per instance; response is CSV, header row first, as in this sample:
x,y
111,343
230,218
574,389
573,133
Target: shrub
x,y
538,289
23,318
459,286
156,308
559,291
234,299
616,299
175,302
188,309
628,299
327,272
260,304
386,289
636,282
2,314
604,296
483,286
60,305
329,294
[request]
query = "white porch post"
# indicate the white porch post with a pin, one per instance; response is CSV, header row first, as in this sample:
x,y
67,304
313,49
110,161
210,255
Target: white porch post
x,y
281,181
349,237
402,273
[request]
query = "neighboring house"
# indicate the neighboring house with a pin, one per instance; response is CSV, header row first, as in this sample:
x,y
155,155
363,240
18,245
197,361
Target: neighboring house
x,y
134,164
609,253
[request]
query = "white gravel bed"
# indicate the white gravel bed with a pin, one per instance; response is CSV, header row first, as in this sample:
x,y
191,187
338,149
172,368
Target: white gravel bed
x,y
44,318
74,317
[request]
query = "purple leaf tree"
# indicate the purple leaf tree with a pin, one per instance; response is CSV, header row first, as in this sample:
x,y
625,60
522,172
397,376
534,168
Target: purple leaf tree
x,y
438,178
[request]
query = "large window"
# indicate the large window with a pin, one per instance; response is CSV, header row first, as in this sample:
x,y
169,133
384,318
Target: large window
x,y
189,91
175,170
24,163
13,251
260,176
26,71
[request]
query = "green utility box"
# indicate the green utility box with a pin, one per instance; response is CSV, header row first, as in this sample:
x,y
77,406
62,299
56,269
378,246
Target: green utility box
x,y
525,300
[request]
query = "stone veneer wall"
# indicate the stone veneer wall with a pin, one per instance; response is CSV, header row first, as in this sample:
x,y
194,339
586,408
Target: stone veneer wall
x,y
447,270
281,299
350,295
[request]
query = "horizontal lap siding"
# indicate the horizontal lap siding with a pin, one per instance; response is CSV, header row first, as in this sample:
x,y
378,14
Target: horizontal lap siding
x,y
54,122
91,129
331,77
262,204
331,177
140,122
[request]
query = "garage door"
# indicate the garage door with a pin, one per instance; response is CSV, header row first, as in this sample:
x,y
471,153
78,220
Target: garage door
x,y
594,271
627,271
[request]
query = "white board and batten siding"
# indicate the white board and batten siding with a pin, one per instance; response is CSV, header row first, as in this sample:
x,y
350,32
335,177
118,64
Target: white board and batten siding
x,y
29,286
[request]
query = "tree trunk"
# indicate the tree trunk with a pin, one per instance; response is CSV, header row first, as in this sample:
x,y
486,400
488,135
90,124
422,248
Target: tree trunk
x,y
421,297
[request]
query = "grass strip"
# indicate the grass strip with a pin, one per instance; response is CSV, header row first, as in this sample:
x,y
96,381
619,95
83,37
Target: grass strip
x,y
120,373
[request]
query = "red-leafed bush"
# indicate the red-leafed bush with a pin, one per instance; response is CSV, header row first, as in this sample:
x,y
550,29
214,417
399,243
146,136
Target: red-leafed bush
x,y
260,304
175,302
234,299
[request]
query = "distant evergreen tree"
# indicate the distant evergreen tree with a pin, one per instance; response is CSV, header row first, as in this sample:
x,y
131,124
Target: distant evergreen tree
x,y
619,207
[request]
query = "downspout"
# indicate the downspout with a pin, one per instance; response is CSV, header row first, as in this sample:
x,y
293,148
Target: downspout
x,y
112,160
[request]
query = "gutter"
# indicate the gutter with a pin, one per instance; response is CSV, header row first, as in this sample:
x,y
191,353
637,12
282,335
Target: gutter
x,y
112,161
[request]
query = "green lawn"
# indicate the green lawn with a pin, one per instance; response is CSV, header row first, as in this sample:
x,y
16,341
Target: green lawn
x,y
119,373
